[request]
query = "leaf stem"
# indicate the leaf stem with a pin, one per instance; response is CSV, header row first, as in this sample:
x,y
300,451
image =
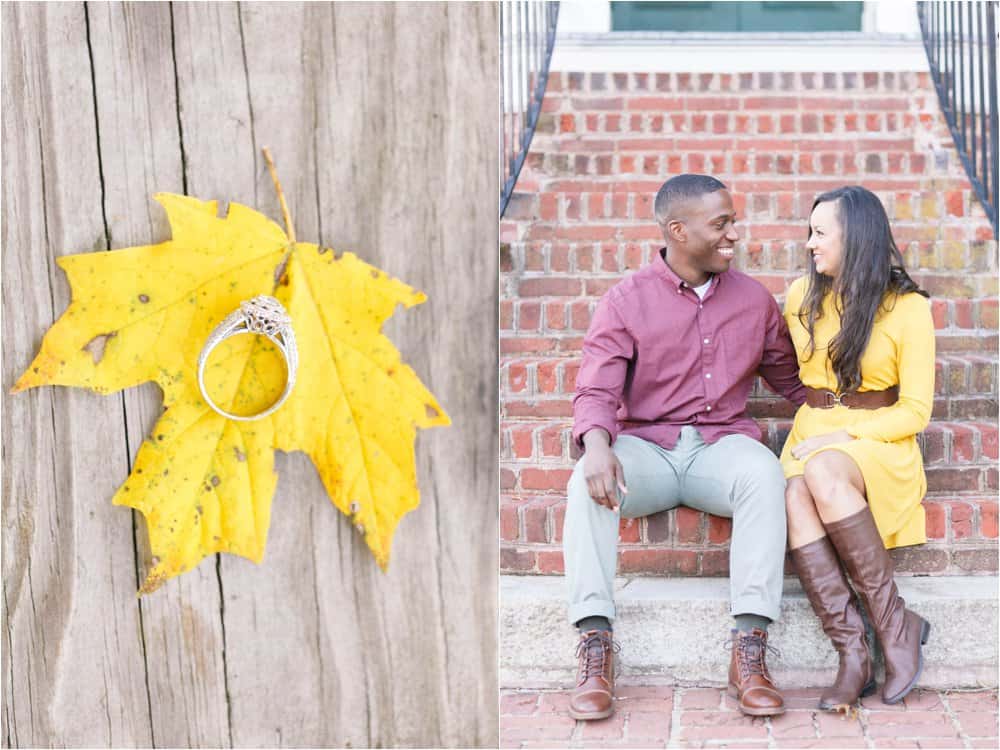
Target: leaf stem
x,y
281,195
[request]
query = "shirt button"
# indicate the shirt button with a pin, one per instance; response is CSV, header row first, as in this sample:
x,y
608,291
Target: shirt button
x,y
708,408
706,341
708,375
700,306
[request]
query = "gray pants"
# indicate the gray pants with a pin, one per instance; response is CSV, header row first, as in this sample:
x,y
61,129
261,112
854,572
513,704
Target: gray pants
x,y
736,477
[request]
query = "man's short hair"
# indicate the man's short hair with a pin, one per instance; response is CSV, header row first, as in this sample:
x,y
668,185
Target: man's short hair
x,y
681,188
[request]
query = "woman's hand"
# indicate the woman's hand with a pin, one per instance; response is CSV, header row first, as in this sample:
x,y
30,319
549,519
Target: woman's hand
x,y
809,445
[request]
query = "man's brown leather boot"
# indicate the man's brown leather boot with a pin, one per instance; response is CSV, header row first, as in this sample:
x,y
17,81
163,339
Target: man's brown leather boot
x,y
749,681
834,603
593,697
900,631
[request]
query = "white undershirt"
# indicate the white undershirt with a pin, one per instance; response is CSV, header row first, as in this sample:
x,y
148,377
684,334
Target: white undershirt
x,y
702,290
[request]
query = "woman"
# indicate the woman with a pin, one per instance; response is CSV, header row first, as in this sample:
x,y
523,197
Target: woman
x,y
865,340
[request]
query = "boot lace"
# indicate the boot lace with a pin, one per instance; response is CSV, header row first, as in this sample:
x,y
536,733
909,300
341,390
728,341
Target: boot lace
x,y
751,648
593,651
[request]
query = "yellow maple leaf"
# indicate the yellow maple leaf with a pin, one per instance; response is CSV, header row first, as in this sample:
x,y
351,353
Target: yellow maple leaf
x,y
205,483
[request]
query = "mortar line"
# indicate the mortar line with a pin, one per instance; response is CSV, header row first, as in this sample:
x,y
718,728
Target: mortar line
x,y
863,722
950,713
675,718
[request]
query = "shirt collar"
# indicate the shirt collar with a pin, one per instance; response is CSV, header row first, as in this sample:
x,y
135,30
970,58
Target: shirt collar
x,y
675,281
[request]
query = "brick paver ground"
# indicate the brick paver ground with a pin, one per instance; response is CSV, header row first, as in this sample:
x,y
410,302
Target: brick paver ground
x,y
648,717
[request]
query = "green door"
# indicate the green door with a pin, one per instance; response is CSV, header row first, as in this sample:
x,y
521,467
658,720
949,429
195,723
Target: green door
x,y
736,16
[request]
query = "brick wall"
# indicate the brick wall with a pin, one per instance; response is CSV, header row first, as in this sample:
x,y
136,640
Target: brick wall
x,y
583,217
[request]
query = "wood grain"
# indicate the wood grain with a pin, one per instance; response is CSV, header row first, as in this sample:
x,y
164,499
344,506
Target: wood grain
x,y
382,120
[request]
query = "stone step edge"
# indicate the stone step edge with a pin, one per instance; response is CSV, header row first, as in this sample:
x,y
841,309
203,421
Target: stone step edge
x,y
953,518
703,560
537,642
933,496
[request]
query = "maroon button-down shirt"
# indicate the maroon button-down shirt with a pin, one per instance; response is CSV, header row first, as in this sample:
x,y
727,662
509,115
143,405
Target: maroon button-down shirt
x,y
656,357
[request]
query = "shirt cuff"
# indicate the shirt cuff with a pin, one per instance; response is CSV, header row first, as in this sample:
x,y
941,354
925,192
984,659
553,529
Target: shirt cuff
x,y
582,428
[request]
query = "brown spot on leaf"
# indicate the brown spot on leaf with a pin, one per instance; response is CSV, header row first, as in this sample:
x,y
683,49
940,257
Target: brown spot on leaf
x,y
355,506
374,274
199,509
166,471
391,371
431,411
144,298
240,455
159,437
279,272
96,345
215,481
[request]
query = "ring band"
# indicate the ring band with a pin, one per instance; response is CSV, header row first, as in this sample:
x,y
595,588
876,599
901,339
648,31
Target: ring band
x,y
264,316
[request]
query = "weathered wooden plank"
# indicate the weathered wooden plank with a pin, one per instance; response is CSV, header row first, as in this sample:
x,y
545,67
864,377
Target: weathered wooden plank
x,y
73,662
382,120
278,671
371,668
415,135
141,154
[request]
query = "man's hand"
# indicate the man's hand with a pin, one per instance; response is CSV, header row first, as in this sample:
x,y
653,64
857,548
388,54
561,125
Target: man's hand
x,y
602,469
809,445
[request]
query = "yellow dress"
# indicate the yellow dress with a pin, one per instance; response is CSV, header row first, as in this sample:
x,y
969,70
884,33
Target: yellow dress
x,y
900,352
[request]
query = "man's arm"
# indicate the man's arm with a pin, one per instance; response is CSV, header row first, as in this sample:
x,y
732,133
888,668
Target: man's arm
x,y
607,349
778,365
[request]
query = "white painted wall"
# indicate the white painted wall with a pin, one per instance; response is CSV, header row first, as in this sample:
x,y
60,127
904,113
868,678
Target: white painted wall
x,y
890,17
586,16
882,16
889,41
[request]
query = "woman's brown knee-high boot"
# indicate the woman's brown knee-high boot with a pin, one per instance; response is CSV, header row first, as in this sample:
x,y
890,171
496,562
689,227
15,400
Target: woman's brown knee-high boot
x,y
900,631
832,600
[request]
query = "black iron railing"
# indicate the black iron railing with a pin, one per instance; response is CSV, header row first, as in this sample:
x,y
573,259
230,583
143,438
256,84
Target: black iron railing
x,y
961,44
527,35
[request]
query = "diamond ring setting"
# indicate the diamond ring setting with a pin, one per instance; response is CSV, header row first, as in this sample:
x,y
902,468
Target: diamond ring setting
x,y
263,316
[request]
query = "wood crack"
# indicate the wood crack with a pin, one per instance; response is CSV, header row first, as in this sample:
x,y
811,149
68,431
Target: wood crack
x,y
246,77
225,664
442,596
97,127
10,708
136,558
177,101
319,617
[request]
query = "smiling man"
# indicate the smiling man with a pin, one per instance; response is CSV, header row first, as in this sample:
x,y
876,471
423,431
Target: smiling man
x,y
660,411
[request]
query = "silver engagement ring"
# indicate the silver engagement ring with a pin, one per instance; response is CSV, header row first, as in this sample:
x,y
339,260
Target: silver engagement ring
x,y
263,316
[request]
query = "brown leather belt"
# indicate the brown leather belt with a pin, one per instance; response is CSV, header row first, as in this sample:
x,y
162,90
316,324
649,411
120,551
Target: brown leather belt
x,y
822,399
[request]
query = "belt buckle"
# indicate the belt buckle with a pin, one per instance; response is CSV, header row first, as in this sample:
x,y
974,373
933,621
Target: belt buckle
x,y
831,399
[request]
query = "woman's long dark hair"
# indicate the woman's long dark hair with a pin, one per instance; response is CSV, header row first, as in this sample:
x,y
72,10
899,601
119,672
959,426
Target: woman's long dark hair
x,y
871,274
